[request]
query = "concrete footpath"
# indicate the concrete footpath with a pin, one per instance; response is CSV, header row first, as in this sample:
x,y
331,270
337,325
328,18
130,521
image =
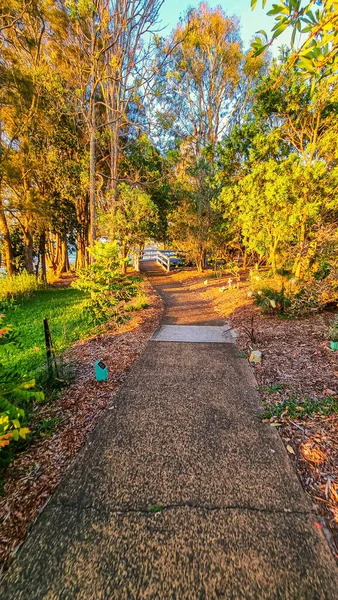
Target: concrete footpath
x,y
181,492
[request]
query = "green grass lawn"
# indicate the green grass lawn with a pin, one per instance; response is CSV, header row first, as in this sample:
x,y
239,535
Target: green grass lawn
x,y
68,322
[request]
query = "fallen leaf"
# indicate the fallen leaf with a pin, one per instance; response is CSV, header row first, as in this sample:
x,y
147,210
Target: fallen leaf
x,y
290,449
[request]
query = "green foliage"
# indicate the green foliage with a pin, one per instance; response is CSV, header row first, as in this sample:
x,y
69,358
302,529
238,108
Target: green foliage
x,y
15,389
143,162
271,208
317,54
46,427
294,407
16,286
271,389
272,301
313,296
283,294
234,270
333,330
156,508
140,302
134,218
109,291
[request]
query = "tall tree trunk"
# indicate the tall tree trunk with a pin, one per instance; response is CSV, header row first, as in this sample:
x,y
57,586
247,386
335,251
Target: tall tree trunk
x,y
200,260
81,252
82,213
92,199
3,221
9,258
58,252
245,258
42,251
64,262
113,166
124,253
28,249
273,260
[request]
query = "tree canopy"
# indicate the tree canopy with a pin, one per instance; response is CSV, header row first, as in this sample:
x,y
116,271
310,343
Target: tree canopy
x,y
111,129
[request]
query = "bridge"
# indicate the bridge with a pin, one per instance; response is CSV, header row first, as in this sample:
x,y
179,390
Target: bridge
x,y
164,258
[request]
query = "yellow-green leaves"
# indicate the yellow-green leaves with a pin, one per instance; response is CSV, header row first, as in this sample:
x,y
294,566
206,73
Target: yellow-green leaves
x,y
316,55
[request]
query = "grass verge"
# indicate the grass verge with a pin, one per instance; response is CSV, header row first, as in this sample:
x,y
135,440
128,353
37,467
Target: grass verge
x,y
68,322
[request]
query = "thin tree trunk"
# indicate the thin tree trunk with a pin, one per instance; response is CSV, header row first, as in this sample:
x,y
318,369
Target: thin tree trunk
x,y
6,241
58,252
82,213
298,261
124,252
42,251
28,250
92,199
200,261
81,253
273,261
245,258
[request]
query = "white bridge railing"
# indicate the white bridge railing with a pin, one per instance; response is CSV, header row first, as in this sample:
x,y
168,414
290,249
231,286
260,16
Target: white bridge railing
x,y
161,257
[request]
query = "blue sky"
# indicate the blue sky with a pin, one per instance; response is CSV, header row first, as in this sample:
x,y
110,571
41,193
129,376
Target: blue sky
x,y
251,21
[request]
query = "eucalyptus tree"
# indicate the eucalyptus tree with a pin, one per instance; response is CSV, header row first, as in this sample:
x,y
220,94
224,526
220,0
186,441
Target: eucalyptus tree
x,y
108,56
200,77
306,120
22,68
279,171
201,93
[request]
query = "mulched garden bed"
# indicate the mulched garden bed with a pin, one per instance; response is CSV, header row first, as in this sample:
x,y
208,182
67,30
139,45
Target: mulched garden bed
x,y
297,367
36,472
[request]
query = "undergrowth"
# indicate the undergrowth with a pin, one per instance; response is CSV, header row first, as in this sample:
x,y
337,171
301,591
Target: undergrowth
x,y
16,286
294,407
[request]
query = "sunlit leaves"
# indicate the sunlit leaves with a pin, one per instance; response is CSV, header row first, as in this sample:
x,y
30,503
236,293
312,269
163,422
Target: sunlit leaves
x,y
316,55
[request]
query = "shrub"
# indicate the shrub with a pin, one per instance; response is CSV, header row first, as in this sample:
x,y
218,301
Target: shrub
x,y
272,301
234,270
314,295
14,389
22,284
333,330
141,301
109,291
284,294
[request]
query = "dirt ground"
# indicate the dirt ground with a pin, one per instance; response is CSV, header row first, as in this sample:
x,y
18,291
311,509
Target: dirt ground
x,y
36,472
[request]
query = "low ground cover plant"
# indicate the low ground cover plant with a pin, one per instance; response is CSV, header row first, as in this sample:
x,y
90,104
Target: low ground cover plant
x,y
294,407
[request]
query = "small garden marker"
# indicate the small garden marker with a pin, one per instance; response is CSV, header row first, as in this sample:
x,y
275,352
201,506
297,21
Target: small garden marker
x,y
101,371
